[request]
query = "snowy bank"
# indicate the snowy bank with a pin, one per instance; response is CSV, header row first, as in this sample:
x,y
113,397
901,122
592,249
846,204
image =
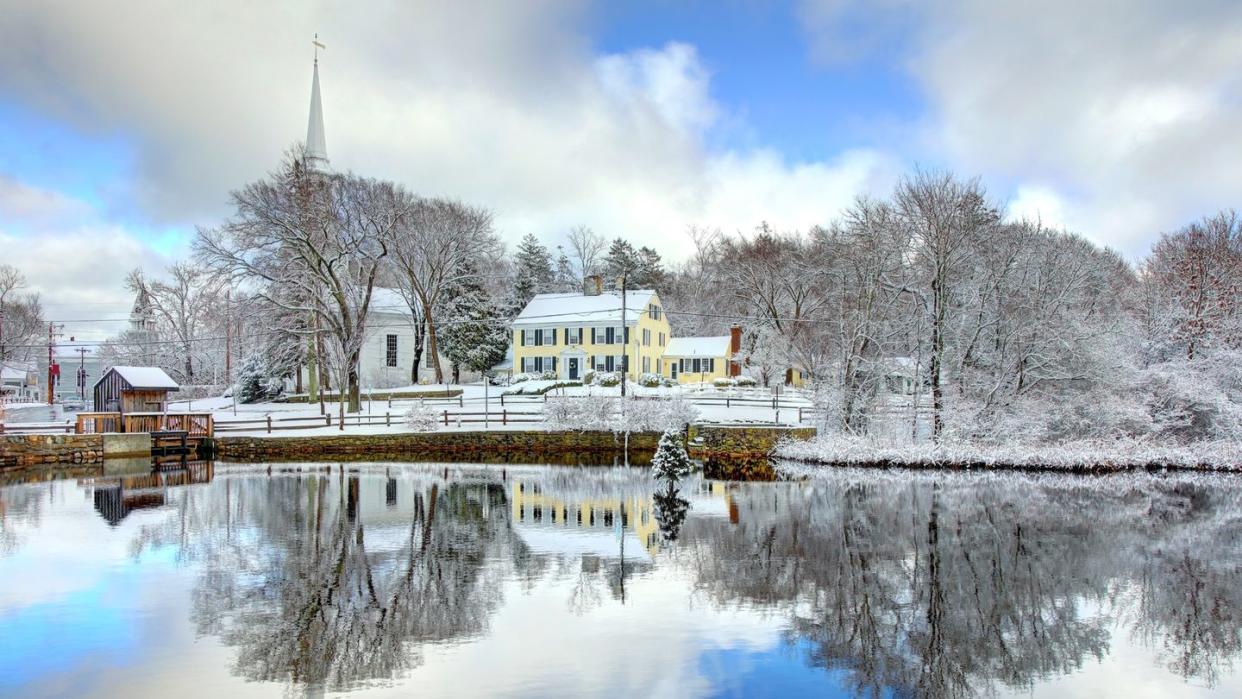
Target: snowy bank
x,y
1069,456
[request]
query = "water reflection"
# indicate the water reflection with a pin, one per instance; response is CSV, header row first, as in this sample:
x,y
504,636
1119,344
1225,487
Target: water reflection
x,y
338,577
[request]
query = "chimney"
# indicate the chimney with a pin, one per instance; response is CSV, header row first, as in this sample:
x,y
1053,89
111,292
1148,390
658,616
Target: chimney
x,y
592,285
735,351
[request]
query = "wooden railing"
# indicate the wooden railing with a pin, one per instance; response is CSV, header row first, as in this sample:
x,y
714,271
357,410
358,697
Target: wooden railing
x,y
97,423
194,424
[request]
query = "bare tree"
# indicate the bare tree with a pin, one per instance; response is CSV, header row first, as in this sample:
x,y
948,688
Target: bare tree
x,y
588,249
313,244
440,246
21,316
944,216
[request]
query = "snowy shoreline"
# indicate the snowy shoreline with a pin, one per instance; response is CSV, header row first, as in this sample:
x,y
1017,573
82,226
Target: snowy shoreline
x,y
808,457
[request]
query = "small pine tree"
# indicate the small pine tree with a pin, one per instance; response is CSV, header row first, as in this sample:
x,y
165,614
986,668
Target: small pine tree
x,y
671,462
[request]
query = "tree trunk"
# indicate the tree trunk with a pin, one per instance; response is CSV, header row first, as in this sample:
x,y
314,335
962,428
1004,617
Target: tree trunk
x,y
420,336
355,400
937,353
431,344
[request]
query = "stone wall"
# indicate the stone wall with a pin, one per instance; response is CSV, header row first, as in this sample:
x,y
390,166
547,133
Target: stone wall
x,y
485,447
708,441
31,449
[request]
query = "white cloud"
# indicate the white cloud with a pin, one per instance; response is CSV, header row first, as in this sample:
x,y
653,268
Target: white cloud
x,y
1126,113
503,105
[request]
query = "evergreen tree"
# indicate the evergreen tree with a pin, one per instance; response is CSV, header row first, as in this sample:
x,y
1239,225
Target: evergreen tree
x,y
670,510
671,462
622,258
649,273
566,279
534,272
473,333
252,379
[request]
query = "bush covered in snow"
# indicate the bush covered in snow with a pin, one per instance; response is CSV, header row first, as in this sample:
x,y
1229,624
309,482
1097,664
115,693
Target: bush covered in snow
x,y
255,382
633,414
747,381
522,377
607,378
724,383
649,380
422,418
589,377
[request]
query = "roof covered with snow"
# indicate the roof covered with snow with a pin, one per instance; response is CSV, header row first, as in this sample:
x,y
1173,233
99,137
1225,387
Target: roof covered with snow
x,y
388,300
146,377
715,346
13,373
574,307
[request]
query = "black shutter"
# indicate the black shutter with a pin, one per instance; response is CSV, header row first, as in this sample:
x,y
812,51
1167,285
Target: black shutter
x,y
626,334
592,335
554,364
523,343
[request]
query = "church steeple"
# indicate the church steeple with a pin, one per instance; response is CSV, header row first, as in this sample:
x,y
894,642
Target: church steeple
x,y
316,148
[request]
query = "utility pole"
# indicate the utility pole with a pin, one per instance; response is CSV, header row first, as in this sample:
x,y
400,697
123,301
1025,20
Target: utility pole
x,y
53,371
625,345
82,375
228,338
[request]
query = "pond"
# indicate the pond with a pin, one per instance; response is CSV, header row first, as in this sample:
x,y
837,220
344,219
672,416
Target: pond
x,y
464,580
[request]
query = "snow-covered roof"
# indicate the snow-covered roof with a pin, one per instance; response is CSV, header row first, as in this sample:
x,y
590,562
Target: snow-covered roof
x,y
146,377
11,373
574,307
716,346
388,300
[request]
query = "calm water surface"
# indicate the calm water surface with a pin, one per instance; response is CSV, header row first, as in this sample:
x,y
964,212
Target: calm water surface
x,y
391,580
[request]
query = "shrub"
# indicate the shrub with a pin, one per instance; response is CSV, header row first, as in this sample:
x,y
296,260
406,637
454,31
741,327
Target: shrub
x,y
649,380
540,390
589,377
605,413
747,381
607,379
669,383
519,378
548,376
723,383
422,418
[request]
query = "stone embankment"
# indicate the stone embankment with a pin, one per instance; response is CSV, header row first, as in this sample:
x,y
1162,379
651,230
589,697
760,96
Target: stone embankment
x,y
32,449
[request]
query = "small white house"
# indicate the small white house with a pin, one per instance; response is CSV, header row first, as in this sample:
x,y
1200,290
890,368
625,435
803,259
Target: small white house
x,y
18,383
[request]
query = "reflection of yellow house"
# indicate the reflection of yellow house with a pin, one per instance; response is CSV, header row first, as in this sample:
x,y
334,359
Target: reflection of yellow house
x,y
634,514
572,333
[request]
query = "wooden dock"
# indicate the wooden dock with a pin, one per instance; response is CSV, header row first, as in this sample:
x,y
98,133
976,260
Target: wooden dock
x,y
171,433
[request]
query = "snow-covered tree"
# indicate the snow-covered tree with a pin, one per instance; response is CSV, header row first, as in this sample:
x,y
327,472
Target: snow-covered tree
x,y
422,418
473,332
255,381
533,272
671,462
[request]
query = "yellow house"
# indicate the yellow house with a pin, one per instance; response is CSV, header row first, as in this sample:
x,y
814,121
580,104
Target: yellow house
x,y
698,359
572,333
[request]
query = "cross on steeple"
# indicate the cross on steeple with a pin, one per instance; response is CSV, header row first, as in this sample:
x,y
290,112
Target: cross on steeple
x,y
317,45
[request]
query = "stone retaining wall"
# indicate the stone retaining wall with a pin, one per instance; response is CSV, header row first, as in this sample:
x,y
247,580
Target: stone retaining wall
x,y
31,449
485,447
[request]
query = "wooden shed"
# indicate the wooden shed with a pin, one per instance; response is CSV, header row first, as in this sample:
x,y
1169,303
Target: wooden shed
x,y
134,389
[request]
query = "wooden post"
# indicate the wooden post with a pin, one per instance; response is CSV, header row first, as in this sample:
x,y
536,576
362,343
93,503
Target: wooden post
x,y
327,419
446,418
388,416
504,417
269,424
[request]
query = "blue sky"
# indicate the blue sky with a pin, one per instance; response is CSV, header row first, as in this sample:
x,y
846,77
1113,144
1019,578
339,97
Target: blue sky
x,y
121,130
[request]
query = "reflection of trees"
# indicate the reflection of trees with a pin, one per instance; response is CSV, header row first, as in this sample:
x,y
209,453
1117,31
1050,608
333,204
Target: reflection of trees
x,y
943,589
670,510
331,600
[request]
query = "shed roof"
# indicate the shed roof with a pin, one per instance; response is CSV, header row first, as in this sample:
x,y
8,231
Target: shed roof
x,y
715,346
145,378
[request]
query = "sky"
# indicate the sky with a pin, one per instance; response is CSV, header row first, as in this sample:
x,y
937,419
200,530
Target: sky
x,y
123,126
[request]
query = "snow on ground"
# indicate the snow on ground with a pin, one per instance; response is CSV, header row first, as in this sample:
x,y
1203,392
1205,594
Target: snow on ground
x,y
837,450
475,398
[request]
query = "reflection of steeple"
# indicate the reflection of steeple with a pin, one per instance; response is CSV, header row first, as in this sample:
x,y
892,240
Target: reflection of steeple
x,y
316,146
